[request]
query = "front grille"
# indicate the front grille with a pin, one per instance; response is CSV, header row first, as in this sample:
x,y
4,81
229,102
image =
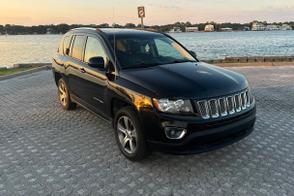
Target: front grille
x,y
223,106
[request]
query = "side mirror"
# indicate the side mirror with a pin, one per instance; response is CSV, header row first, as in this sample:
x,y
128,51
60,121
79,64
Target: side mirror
x,y
193,53
96,62
67,51
110,67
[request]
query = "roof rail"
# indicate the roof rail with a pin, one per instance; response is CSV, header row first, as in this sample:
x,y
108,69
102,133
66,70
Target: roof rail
x,y
99,31
149,29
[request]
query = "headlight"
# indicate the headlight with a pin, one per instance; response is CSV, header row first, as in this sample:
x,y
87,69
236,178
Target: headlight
x,y
173,106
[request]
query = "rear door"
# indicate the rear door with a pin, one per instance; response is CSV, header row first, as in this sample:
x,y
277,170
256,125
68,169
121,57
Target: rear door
x,y
75,67
62,56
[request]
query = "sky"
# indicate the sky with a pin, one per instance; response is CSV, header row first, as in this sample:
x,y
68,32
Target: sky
x,y
35,12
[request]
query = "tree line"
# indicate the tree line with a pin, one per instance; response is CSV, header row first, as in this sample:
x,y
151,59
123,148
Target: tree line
x,y
63,28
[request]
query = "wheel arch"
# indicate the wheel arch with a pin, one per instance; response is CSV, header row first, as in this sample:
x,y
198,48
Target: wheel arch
x,y
142,150
117,104
57,76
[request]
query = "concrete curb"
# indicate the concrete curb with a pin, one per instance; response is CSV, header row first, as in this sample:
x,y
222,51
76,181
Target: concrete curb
x,y
258,64
252,59
30,71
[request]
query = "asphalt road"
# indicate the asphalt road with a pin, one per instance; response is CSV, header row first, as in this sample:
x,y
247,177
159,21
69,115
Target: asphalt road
x,y
47,151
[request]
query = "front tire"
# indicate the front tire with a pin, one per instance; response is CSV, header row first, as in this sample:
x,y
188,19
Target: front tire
x,y
64,96
129,135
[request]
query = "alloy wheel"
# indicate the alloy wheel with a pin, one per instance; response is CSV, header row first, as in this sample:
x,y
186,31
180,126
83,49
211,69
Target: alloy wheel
x,y
62,93
127,134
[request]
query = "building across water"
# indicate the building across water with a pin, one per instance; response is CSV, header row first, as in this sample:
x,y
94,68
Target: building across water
x,y
258,26
191,29
175,30
227,29
286,27
209,28
272,28
246,28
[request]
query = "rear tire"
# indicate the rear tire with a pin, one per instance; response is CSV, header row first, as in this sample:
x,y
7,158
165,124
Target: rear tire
x,y
64,96
129,135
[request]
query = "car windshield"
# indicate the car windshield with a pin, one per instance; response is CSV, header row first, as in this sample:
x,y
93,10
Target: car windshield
x,y
146,51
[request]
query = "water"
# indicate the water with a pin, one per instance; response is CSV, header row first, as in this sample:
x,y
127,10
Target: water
x,y
27,48
217,45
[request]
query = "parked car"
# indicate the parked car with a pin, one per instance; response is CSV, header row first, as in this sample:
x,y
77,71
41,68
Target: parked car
x,y
154,91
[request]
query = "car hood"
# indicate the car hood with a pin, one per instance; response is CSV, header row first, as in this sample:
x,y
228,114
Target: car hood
x,y
186,80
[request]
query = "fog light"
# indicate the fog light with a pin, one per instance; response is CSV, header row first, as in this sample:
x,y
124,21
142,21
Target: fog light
x,y
175,133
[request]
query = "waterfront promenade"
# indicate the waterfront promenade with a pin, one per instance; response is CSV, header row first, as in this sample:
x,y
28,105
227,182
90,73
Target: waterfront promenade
x,y
45,150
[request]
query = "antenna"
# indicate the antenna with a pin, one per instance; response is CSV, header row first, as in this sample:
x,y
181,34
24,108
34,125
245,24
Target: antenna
x,y
114,41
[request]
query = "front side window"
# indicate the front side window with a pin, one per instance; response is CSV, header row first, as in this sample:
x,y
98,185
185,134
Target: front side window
x,y
94,49
78,47
140,51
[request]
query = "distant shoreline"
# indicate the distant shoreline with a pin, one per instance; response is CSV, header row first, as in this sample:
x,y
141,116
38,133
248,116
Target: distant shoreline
x,y
179,26
235,31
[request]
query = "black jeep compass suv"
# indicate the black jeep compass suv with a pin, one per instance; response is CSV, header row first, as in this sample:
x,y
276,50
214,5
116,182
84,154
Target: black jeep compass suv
x,y
154,91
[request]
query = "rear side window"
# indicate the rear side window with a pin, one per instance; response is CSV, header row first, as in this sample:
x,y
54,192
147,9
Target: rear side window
x,y
66,44
78,47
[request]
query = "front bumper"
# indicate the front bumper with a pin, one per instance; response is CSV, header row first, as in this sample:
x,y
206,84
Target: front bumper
x,y
202,136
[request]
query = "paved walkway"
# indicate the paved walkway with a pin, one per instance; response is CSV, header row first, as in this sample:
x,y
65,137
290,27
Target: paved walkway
x,y
47,151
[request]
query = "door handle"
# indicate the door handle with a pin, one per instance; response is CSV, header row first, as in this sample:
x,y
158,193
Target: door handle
x,y
82,70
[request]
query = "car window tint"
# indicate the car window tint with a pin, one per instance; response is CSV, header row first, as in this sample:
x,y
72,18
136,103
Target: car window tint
x,y
137,51
66,44
94,48
78,47
166,49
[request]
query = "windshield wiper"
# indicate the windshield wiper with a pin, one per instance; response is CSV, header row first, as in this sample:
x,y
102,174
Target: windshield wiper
x,y
181,61
142,65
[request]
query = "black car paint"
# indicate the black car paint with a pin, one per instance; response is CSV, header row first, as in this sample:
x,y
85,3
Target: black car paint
x,y
98,90
186,80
